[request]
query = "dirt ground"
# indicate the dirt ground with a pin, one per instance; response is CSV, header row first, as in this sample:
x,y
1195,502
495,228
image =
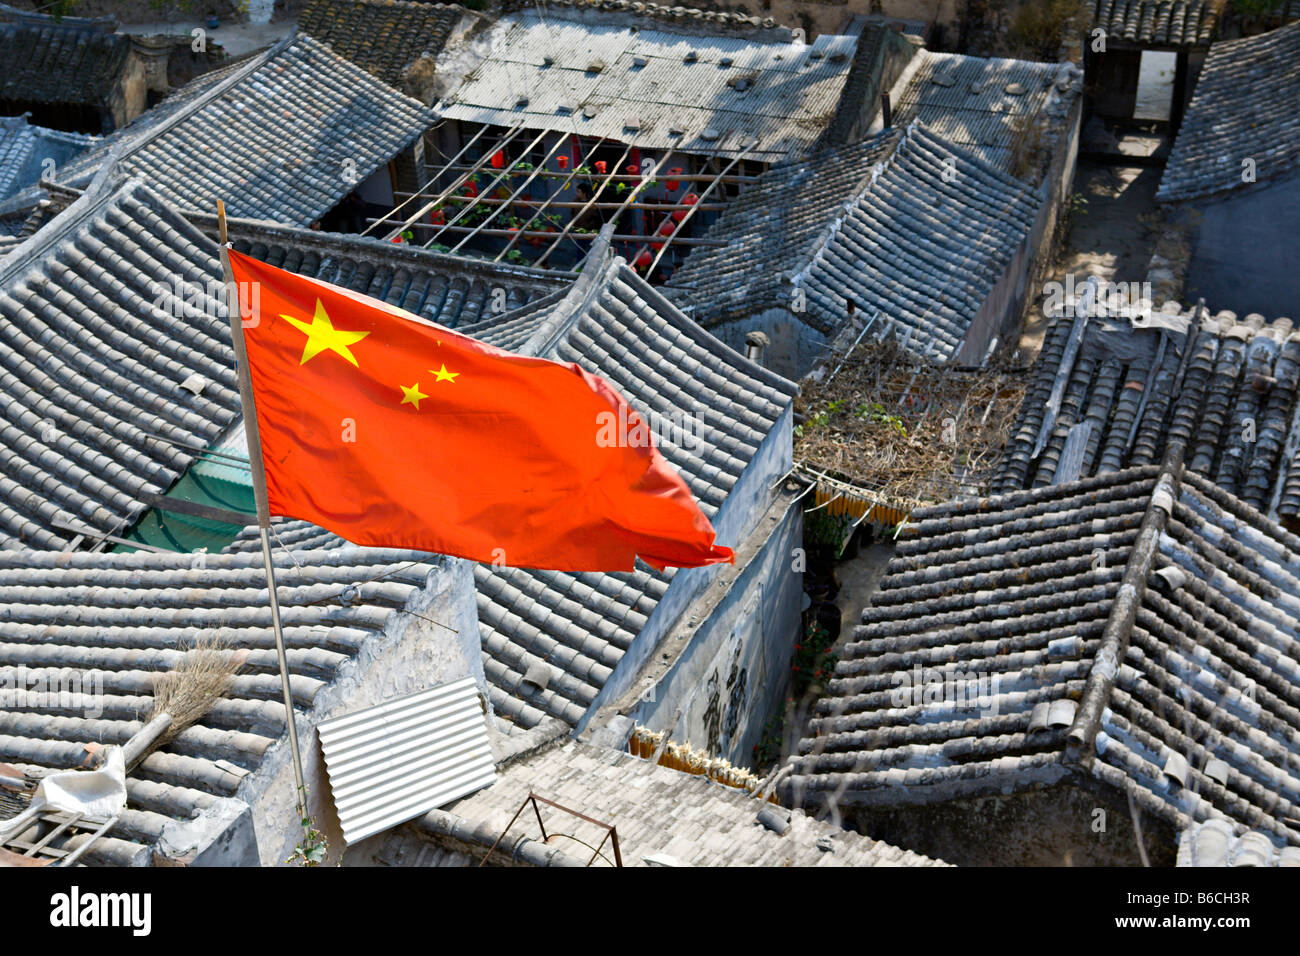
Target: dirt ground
x,y
1106,235
858,578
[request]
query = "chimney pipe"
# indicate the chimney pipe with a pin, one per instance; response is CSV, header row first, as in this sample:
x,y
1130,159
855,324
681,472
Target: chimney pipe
x,y
755,342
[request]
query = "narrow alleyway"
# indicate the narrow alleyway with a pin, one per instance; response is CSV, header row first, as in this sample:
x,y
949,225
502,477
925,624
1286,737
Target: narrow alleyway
x,y
1109,231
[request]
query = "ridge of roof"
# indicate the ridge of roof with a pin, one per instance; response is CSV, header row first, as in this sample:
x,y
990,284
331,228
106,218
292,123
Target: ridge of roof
x,y
569,307
600,268
104,188
1082,734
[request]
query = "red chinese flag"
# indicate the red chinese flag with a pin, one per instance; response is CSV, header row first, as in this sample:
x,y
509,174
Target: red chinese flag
x,y
392,431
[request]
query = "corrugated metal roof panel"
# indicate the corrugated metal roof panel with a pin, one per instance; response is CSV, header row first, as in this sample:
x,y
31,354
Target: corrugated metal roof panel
x,y
390,763
790,94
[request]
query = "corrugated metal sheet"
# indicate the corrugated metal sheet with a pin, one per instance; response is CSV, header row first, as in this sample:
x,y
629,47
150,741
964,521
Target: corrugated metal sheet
x,y
791,94
969,100
391,763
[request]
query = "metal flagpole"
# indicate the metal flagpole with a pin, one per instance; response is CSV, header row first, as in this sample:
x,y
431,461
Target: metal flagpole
x,y
255,467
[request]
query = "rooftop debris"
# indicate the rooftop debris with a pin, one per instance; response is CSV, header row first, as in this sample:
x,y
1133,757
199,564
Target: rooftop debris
x,y
910,431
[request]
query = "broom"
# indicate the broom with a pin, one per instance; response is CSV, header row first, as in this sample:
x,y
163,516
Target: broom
x,y
184,694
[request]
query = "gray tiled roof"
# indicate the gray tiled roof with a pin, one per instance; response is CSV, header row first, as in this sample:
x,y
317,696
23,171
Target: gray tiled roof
x,y
988,106
1216,842
904,223
1160,22
384,36
450,290
73,61
93,365
658,811
25,151
614,324
117,620
1144,630
1246,107
290,121
1124,389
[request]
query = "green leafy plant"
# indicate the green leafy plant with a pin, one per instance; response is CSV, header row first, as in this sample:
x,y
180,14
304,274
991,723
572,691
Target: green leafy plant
x,y
875,412
768,748
827,530
813,660
313,848
823,418
1255,8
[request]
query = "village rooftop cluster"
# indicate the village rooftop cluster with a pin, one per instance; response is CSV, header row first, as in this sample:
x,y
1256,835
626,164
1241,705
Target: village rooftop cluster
x,y
1015,520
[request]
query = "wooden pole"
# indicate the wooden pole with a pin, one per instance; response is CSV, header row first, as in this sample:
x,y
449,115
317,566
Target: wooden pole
x,y
686,218
258,471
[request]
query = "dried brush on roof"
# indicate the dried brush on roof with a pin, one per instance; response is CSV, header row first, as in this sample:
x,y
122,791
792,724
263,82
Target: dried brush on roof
x,y
910,431
189,690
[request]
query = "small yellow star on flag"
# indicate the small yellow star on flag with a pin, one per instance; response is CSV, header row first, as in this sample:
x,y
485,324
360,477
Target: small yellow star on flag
x,y
444,375
322,336
412,395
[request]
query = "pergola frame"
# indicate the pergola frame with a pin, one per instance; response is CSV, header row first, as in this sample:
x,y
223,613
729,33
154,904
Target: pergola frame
x,y
538,224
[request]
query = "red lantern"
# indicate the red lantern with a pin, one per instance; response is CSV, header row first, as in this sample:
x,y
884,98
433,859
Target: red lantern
x,y
633,169
562,161
601,166
643,260
666,229
471,190
438,218
673,184
690,199
498,159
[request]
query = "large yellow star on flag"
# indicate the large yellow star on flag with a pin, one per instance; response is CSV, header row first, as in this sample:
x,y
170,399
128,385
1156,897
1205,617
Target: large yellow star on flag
x,y
412,395
322,336
444,375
